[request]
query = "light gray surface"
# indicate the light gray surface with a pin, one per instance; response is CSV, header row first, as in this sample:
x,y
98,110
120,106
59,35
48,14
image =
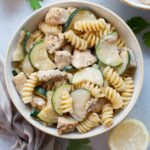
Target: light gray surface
x,y
13,12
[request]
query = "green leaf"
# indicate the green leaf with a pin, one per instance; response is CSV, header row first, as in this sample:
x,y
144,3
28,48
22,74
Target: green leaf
x,y
35,4
82,144
137,24
146,38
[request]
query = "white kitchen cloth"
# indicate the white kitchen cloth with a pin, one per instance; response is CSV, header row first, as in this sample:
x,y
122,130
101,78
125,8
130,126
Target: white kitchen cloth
x,y
13,124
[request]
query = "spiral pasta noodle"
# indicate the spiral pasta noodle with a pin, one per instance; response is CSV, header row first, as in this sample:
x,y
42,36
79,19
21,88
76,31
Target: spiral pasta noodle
x,y
95,90
128,92
113,96
27,90
90,122
109,28
37,35
91,38
75,40
66,102
50,29
120,43
107,115
114,79
90,26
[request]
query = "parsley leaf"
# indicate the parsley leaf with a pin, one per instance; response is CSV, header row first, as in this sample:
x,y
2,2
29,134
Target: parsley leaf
x,y
137,24
146,38
35,4
82,144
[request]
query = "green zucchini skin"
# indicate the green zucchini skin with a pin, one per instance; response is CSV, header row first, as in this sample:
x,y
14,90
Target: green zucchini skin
x,y
27,67
15,72
27,36
34,113
66,25
69,69
106,51
72,16
38,57
56,98
40,92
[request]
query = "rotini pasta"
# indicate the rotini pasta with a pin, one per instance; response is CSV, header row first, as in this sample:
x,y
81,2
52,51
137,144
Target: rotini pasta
x,y
95,90
113,96
127,94
107,115
114,79
27,90
50,29
109,28
66,102
37,36
120,43
78,63
90,26
91,38
90,122
75,40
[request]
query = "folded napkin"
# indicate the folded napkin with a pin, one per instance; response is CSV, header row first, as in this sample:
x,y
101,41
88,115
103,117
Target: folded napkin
x,y
14,125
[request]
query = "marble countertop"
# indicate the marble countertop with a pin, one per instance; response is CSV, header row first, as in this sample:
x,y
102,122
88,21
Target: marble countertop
x,y
13,12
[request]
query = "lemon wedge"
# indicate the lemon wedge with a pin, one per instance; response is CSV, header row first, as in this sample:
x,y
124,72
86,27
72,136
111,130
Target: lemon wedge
x,y
131,134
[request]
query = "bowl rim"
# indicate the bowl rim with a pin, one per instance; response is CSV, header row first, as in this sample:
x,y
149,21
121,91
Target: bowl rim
x,y
65,136
133,4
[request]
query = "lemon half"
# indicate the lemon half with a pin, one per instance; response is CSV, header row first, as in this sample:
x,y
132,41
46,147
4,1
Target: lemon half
x,y
131,134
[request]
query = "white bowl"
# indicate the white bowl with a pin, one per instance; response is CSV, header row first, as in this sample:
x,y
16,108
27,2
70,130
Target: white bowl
x,y
31,23
136,3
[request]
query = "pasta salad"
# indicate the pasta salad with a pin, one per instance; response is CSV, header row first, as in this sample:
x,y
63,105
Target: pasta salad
x,y
75,72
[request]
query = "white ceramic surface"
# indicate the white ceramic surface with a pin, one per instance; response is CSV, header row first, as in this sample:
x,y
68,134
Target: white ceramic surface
x,y
136,3
31,23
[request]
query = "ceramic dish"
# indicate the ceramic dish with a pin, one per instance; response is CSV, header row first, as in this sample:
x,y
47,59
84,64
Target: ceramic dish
x,y
136,3
124,31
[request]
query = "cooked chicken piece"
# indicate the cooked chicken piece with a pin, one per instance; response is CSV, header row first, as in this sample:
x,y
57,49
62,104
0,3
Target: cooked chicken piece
x,y
62,59
66,124
81,59
56,16
68,48
19,81
38,102
54,75
54,43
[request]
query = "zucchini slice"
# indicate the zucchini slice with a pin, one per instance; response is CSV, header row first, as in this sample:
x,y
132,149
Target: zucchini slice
x,y
80,101
40,92
56,99
48,115
39,58
76,15
88,74
126,59
15,71
27,68
28,41
34,113
19,53
132,62
106,50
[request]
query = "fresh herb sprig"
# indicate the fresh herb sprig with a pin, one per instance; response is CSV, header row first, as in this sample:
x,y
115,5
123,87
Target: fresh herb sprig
x,y
35,4
82,144
138,24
